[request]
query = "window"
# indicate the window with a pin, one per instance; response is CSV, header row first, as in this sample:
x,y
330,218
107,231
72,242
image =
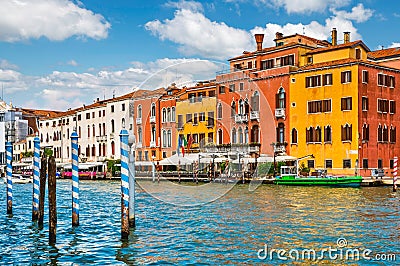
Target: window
x,y
383,106
346,132
195,118
267,64
180,121
364,103
365,132
346,76
286,60
313,81
364,76
392,134
280,133
328,134
392,107
240,135
233,108
255,99
380,164
88,131
385,80
210,118
123,107
139,111
281,98
168,114
358,53
328,164
87,115
164,138
241,86
233,135
164,115
153,109
219,111
391,82
112,126
221,89
220,135
79,117
189,118
310,164
346,104
320,106
309,59
169,138
380,133
365,163
202,117
211,93
232,88
294,136
139,135
112,108
173,114
391,163
327,79
249,64
123,123
346,163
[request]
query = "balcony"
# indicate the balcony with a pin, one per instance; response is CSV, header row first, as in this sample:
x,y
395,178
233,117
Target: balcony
x,y
254,147
101,158
152,120
138,121
254,115
280,112
101,138
138,145
241,118
152,144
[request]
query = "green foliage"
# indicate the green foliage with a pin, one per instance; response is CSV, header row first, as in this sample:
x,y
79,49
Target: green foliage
x,y
111,165
27,154
304,169
48,152
268,168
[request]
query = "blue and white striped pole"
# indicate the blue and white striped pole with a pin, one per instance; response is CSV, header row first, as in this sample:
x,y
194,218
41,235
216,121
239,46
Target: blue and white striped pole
x,y
124,183
132,177
9,177
36,182
75,179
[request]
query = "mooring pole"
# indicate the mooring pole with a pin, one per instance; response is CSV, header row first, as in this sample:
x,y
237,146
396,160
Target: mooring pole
x,y
395,174
124,184
9,177
52,200
36,182
153,174
132,176
179,171
42,189
75,179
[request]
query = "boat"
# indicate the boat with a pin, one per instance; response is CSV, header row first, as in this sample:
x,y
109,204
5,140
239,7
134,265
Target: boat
x,y
19,179
289,177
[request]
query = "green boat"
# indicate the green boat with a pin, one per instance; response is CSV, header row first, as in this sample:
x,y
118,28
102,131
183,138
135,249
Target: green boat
x,y
290,177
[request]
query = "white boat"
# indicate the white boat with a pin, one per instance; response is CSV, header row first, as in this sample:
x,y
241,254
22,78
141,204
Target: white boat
x,y
19,179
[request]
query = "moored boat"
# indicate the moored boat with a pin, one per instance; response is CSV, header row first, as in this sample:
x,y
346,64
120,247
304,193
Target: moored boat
x,y
290,177
19,179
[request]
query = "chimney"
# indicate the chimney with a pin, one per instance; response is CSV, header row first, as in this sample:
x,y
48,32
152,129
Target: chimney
x,y
278,35
259,41
334,36
346,37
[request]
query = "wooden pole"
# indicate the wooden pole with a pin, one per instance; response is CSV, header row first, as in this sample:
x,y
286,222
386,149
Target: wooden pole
x,y
52,200
42,189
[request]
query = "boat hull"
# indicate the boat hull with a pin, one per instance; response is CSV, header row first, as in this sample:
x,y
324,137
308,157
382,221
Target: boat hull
x,y
346,181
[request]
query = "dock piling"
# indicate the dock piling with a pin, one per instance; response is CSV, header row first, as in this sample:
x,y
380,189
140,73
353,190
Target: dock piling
x,y
395,174
9,177
52,200
42,189
124,184
132,177
75,179
36,182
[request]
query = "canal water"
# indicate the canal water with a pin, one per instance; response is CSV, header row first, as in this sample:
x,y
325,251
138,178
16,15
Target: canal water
x,y
273,225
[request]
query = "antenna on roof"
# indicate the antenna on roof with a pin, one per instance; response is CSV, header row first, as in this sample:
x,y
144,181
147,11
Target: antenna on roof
x,y
304,30
113,93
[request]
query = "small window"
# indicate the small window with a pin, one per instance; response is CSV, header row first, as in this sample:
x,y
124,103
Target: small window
x,y
232,88
221,89
241,86
364,76
123,107
112,108
346,104
346,76
391,164
392,107
310,164
358,53
365,163
380,164
364,103
328,164
327,79
346,163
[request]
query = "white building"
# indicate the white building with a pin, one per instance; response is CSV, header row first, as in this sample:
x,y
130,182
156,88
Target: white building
x,y
98,126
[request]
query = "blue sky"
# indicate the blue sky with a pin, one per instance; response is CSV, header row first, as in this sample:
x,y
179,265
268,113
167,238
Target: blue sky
x,y
56,54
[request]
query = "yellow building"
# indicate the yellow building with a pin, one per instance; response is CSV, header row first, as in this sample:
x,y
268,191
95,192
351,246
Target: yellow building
x,y
324,108
195,111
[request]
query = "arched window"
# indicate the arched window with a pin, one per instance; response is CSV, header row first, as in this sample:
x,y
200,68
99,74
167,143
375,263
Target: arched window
x,y
365,132
169,138
310,135
280,133
173,114
88,131
153,133
100,130
164,115
139,111
240,135
140,135
164,138
294,136
318,134
112,147
79,131
220,134
255,101
347,133
93,150
241,107
255,134
233,137
233,108
392,134
385,133
41,137
153,109
104,149
219,111
104,129
54,136
88,151
112,126
328,134
246,135
100,149
169,114
94,130
123,123
281,98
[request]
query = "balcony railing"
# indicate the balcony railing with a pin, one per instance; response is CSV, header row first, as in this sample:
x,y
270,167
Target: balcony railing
x,y
152,119
279,112
138,145
152,144
101,158
241,118
138,121
254,115
101,138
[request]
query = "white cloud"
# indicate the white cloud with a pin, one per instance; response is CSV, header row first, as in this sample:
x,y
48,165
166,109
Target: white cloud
x,y
358,13
53,19
4,64
393,45
197,35
301,6
189,5
72,63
